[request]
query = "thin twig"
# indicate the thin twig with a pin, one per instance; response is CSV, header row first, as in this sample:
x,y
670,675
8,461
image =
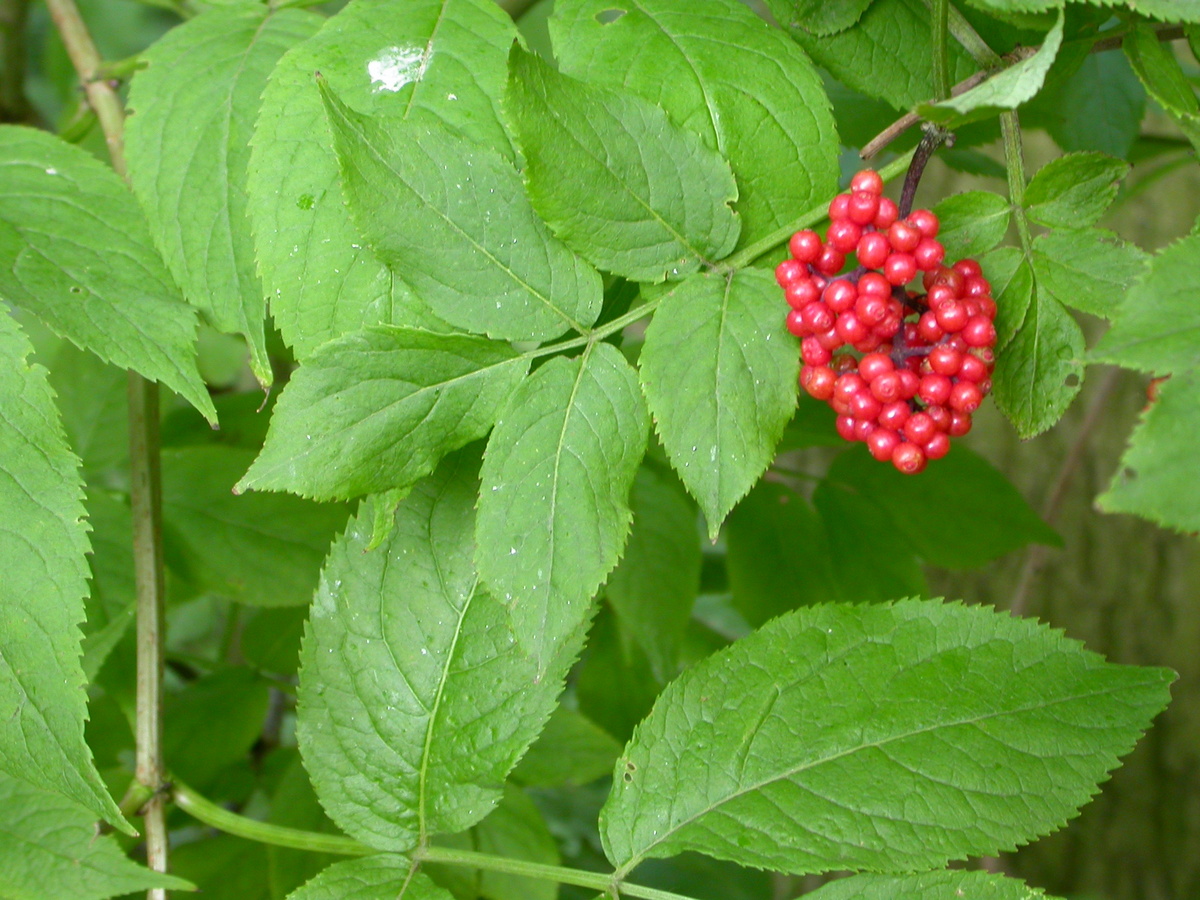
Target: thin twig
x,y
1037,555
931,140
908,120
145,476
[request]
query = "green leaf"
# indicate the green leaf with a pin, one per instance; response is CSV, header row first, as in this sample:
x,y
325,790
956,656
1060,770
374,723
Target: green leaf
x,y
819,17
972,223
871,565
50,849
571,750
43,547
928,886
1157,328
213,722
801,747
719,371
1099,107
188,147
613,683
1159,71
1011,277
1007,89
1090,270
76,252
261,549
377,409
374,878
93,398
959,514
451,218
720,71
415,701
1156,478
419,61
1075,190
886,55
777,554
554,505
1040,371
615,179
654,586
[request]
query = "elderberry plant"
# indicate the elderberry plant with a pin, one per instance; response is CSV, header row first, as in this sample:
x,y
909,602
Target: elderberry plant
x,y
431,614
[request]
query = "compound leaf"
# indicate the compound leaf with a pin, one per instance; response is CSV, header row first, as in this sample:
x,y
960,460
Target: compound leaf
x,y
43,547
50,849
415,701
972,223
615,179
75,251
376,409
1156,478
721,72
1011,276
719,371
1075,190
1090,269
945,885
1157,328
188,147
800,748
451,218
419,61
554,507
383,877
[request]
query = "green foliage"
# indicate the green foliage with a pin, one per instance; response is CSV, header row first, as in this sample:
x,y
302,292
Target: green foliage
x,y
972,223
928,886
370,879
188,147
615,179
75,251
48,842
43,542
553,506
719,371
799,748
1074,191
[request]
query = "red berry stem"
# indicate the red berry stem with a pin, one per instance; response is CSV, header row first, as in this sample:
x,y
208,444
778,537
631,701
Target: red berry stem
x,y
931,140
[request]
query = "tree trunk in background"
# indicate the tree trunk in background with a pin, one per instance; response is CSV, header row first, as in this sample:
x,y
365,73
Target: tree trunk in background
x,y
1130,591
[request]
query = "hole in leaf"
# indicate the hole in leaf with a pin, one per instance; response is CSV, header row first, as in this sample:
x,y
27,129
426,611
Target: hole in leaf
x,y
630,768
1072,380
1129,474
608,16
76,289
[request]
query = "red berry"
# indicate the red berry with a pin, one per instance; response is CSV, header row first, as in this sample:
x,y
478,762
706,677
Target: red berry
x,y
796,325
951,315
924,221
830,261
937,446
814,353
900,268
903,237
871,309
802,292
845,427
882,442
830,339
805,246
789,271
968,268
965,397
928,329
987,306
940,416
843,236
974,286
979,332
945,360
888,213
908,458
929,254
867,180
935,389
874,283
864,406
910,383
873,365
851,328
973,369
894,415
847,386
840,295
863,429
886,387
947,277
873,250
863,207
839,207
817,316
919,428
818,381
960,424
844,362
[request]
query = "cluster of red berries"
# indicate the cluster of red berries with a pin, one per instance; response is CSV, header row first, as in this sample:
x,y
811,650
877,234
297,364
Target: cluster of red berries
x,y
927,358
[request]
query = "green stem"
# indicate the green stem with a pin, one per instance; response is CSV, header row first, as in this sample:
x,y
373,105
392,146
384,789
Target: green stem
x,y
204,810
941,50
964,32
780,236
1014,164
